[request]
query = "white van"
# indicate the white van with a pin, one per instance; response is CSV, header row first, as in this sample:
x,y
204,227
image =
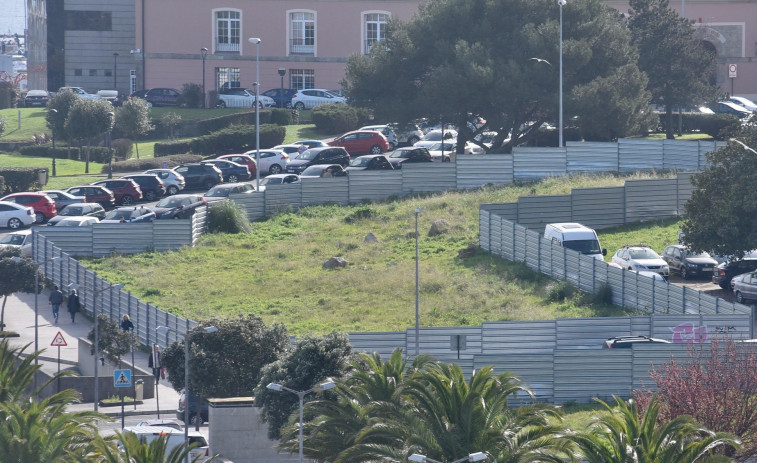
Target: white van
x,y
175,439
576,237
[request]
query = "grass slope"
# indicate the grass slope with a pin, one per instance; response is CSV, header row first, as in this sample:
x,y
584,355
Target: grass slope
x,y
276,271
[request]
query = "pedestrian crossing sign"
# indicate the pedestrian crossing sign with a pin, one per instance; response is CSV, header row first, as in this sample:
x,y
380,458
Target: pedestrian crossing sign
x,y
122,378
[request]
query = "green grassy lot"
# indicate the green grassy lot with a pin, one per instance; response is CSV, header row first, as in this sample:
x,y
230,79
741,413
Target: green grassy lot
x,y
276,270
32,122
656,234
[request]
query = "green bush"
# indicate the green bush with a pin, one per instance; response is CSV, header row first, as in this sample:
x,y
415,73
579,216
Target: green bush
x,y
281,116
133,165
171,147
98,154
237,139
715,125
219,123
8,95
2,183
191,95
560,291
335,118
122,148
228,217
46,151
18,178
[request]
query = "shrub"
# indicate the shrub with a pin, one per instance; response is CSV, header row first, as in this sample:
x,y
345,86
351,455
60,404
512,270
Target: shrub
x,y
3,125
99,154
603,295
335,118
281,116
152,163
18,178
8,95
560,291
170,121
191,95
122,148
237,139
228,217
171,147
2,183
219,123
46,151
715,125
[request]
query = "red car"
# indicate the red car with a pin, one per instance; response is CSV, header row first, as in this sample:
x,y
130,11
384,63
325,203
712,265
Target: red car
x,y
125,190
43,205
243,159
362,142
94,194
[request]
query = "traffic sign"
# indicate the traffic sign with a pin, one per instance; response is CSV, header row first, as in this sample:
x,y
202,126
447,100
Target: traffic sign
x,y
58,340
732,70
122,378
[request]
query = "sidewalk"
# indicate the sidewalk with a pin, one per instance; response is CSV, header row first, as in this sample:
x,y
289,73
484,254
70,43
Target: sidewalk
x,y
19,317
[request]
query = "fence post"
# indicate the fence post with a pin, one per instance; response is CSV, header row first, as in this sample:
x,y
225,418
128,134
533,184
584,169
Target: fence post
x,y
717,305
148,331
538,254
654,290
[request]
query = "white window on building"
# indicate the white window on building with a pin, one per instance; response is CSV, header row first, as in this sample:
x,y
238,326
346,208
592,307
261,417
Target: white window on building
x,y
302,33
301,78
374,28
228,30
227,78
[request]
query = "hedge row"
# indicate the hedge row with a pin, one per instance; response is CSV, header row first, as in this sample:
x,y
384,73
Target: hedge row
x,y
715,125
97,154
133,165
267,116
2,183
337,118
237,139
18,178
171,147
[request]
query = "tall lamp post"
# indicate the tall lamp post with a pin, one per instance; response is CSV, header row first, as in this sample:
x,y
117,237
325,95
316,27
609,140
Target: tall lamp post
x,y
417,293
301,394
204,53
478,456
115,68
256,41
110,146
561,3
282,73
164,330
95,313
55,115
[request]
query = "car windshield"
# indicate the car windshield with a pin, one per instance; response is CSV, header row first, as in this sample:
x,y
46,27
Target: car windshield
x,y
218,191
401,154
694,255
438,147
643,254
361,161
433,136
312,170
17,240
171,202
307,155
118,215
71,211
271,181
583,246
69,223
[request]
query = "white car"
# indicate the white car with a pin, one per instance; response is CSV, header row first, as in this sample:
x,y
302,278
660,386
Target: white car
x,y
15,216
82,93
744,102
272,161
19,239
312,97
441,152
278,179
77,221
435,136
242,98
641,258
173,181
409,134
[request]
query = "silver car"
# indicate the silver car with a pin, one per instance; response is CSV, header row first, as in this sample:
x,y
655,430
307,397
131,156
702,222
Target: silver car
x,y
745,287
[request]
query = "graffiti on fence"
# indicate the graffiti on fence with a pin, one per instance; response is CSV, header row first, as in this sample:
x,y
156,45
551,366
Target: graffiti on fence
x,y
687,333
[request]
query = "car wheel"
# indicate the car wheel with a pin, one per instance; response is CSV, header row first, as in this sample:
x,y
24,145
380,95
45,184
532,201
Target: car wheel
x,y
274,169
739,297
684,273
413,140
39,217
127,200
15,224
300,105
375,149
232,179
150,195
194,419
446,159
209,184
172,190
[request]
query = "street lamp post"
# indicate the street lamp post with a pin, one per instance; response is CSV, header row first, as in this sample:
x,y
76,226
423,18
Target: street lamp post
x,y
478,456
204,53
256,41
187,397
55,115
97,337
561,3
417,292
301,394
110,147
115,69
282,73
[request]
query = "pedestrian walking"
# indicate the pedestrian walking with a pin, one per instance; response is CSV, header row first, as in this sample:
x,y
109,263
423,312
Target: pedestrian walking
x,y
155,362
56,299
73,304
126,323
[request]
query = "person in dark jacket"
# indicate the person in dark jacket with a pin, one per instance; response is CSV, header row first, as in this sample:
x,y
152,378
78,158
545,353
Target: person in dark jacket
x,y
155,362
126,323
73,304
56,299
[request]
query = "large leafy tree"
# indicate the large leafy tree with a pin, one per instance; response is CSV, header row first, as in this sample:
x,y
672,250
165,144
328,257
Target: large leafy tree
x,y
133,119
61,102
499,60
87,120
678,65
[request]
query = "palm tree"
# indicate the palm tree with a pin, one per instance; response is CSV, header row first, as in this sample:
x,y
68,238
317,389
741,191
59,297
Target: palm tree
x,y
136,450
624,436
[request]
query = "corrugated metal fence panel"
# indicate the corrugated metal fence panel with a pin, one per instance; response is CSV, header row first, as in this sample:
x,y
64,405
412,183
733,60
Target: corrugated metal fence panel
x,y
580,375
282,197
171,234
685,188
199,223
537,211
499,226
706,147
639,155
428,177
382,343
252,203
533,241
535,163
598,207
484,231
592,156
589,333
645,358
374,186
535,370
325,190
519,238
129,238
507,338
458,342
641,325
680,154
650,199
508,211
76,241
474,171
684,329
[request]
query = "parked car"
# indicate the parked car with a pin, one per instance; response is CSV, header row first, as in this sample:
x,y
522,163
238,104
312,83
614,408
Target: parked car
x,y
131,214
246,159
77,221
687,263
94,194
370,162
724,273
408,135
387,131
22,240
641,257
278,179
196,413
81,93
409,154
242,98
125,190
15,216
360,142
36,98
231,171
291,149
220,192
272,161
174,440
151,185
323,155
173,424
310,143
442,151
63,199
178,206
159,96
197,175
435,136
324,171
172,180
79,210
111,96
43,205
744,102
729,107
744,287
625,342
282,97
312,97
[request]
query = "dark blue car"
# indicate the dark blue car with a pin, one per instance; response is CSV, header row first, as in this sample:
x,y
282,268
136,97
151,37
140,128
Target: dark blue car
x,y
231,171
